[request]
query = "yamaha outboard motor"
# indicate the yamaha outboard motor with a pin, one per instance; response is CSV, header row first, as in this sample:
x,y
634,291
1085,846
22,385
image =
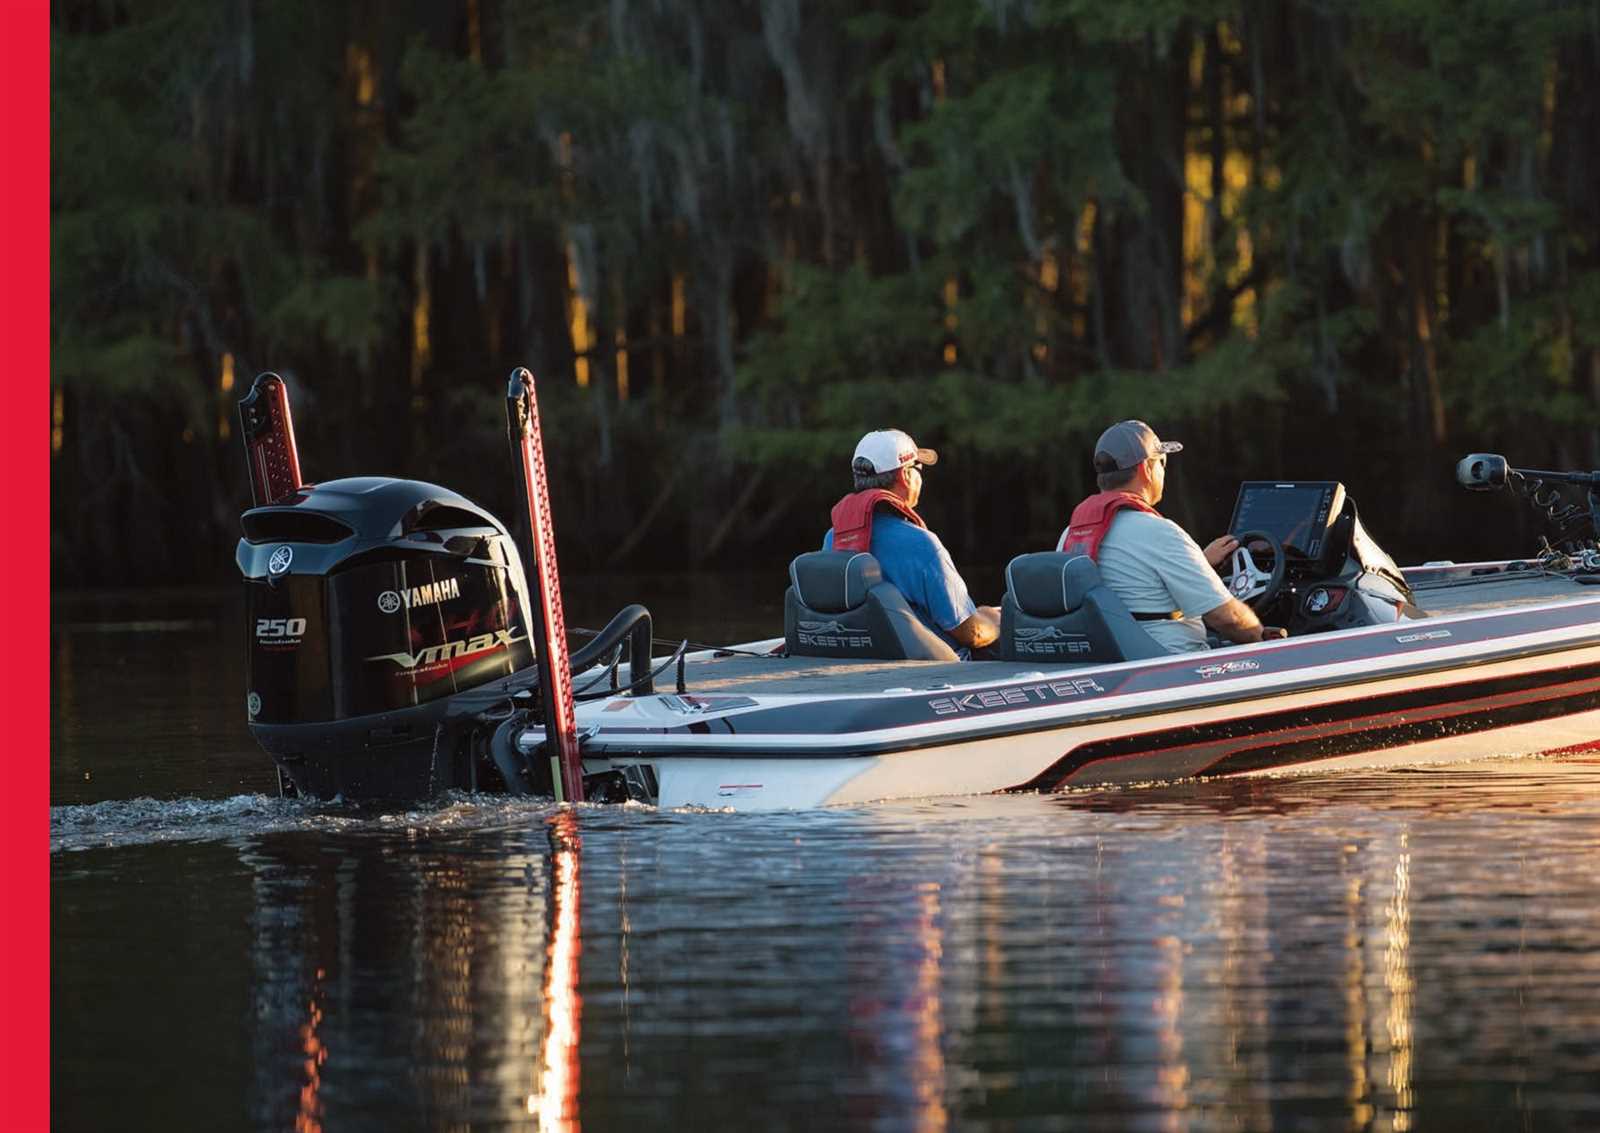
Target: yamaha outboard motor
x,y
386,617
372,604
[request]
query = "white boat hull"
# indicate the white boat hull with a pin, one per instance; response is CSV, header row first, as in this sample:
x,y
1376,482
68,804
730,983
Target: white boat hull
x,y
1456,712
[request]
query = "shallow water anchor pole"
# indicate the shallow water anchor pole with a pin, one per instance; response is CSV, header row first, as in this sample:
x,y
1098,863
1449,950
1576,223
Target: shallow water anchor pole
x,y
267,429
548,624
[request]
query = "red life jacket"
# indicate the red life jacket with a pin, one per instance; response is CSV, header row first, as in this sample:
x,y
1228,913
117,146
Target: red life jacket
x,y
852,517
1092,519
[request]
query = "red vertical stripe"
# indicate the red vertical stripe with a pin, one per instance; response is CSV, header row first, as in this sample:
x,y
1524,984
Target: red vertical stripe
x,y
25,451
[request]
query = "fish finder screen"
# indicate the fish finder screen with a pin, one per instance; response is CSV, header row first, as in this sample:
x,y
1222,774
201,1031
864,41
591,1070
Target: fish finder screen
x,y
1296,513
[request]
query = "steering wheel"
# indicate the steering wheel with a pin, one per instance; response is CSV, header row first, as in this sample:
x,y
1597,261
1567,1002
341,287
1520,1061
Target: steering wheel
x,y
1248,582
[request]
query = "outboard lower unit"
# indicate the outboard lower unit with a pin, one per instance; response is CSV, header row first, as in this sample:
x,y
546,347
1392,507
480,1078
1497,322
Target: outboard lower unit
x,y
387,623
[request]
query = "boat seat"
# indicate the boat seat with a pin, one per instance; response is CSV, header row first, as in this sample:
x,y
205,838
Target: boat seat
x,y
1057,609
838,605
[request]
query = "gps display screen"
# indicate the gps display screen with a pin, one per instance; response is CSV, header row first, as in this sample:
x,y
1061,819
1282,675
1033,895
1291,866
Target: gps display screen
x,y
1296,513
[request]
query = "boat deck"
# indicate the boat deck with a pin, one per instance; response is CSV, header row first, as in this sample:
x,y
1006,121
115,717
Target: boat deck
x,y
1450,593
1460,595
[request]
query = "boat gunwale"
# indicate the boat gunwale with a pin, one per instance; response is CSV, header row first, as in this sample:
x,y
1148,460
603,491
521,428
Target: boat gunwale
x,y
786,746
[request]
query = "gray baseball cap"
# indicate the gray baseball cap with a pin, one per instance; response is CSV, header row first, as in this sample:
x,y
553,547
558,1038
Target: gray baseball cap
x,y
1127,443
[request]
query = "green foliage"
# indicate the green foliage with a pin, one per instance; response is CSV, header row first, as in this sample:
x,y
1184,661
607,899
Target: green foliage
x,y
467,119
133,363
838,327
1040,122
987,221
345,312
1520,376
1459,74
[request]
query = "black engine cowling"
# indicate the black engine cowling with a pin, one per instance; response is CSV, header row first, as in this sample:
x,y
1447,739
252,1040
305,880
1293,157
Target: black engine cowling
x,y
373,605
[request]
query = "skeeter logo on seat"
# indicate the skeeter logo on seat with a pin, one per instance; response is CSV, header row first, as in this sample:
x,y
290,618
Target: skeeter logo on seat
x,y
1049,639
832,634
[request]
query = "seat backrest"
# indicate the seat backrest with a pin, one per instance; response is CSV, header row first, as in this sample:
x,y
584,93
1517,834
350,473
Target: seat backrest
x,y
1057,610
838,605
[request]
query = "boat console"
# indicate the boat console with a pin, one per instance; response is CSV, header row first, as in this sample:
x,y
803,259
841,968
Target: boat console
x,y
1301,515
1305,562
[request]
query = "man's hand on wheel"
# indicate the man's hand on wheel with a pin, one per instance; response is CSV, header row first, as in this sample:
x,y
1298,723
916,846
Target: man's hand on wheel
x,y
1218,550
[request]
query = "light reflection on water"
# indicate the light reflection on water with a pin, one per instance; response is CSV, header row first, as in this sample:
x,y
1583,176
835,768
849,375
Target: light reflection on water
x,y
555,1103
1387,950
1392,950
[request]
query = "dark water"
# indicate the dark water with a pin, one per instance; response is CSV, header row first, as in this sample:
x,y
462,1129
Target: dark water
x,y
1388,951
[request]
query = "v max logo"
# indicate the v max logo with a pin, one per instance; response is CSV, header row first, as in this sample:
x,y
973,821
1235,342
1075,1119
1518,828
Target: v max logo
x,y
450,650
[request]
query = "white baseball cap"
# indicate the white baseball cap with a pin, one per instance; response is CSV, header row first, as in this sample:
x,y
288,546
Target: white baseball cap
x,y
888,450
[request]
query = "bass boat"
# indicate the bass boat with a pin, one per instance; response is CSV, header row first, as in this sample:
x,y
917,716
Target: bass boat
x,y
399,650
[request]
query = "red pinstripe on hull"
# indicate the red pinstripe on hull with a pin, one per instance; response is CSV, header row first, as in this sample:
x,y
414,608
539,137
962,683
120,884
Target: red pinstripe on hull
x,y
1214,752
1575,749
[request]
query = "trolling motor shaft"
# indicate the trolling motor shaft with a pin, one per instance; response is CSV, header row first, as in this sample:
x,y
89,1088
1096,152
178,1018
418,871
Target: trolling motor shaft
x,y
1487,472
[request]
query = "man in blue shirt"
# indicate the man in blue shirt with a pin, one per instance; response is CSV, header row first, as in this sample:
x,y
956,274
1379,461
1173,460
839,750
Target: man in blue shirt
x,y
880,516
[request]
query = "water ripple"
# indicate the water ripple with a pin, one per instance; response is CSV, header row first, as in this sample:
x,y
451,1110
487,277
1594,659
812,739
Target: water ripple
x,y
138,822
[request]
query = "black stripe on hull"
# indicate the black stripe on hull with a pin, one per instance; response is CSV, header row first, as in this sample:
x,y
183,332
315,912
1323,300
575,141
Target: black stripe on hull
x,y
1286,738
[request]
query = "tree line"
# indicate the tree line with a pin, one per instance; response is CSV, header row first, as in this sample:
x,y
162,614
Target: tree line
x,y
1349,241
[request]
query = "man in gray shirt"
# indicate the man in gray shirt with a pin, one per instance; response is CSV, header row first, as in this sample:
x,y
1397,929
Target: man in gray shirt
x,y
1149,562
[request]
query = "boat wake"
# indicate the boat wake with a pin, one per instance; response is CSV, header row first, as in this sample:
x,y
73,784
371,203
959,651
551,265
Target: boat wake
x,y
140,822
